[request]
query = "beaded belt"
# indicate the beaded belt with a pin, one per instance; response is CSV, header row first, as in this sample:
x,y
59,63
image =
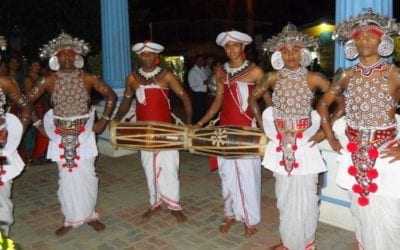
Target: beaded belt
x,y
69,130
363,146
289,131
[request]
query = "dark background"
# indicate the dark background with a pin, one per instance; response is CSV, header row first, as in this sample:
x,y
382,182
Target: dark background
x,y
33,23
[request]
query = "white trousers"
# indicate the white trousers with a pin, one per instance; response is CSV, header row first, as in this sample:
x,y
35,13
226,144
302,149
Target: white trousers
x,y
377,224
6,207
77,193
241,188
162,170
297,201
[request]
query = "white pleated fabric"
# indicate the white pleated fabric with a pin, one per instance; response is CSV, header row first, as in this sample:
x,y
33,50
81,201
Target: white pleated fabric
x,y
378,224
6,207
162,170
77,193
309,158
297,201
241,188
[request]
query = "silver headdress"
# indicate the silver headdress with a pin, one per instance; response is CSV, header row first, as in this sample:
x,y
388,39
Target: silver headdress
x,y
289,35
369,17
64,41
369,20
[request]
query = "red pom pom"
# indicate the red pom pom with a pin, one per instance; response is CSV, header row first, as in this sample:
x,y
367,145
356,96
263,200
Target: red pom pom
x,y
294,147
295,164
279,149
299,135
352,170
282,163
352,147
363,201
372,173
372,187
357,188
373,153
81,129
279,136
60,145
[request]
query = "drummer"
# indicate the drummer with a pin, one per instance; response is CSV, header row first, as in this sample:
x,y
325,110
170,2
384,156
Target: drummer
x,y
289,124
241,177
151,84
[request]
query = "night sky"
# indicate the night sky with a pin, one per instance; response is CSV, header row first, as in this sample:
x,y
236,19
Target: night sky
x,y
40,20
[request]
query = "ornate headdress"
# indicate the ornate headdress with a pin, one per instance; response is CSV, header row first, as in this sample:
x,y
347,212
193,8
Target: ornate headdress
x,y
290,35
64,41
345,30
371,21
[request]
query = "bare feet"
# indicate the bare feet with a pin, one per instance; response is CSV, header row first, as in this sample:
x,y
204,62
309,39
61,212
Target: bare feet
x,y
278,247
249,231
226,225
97,225
61,231
150,212
179,216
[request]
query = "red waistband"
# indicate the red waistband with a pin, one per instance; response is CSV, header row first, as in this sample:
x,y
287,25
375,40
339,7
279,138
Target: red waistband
x,y
301,124
375,135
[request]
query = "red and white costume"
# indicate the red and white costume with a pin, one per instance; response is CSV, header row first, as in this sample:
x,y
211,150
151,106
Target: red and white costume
x,y
10,168
240,177
372,181
291,158
289,124
162,167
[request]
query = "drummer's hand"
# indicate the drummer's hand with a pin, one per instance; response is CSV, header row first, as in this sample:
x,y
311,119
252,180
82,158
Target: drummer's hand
x,y
3,136
392,152
100,125
317,138
335,144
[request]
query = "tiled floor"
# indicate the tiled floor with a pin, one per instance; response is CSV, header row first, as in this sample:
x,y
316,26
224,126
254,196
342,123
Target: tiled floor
x,y
122,200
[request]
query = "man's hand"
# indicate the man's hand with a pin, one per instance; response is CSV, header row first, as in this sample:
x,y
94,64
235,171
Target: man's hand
x,y
317,137
392,152
3,137
100,125
335,144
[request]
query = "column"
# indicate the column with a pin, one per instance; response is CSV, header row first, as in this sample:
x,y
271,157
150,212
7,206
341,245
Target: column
x,y
115,46
116,58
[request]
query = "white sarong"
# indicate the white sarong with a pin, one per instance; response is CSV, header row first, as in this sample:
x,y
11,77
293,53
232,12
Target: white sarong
x,y
241,188
78,188
297,201
6,207
378,224
13,167
161,169
77,193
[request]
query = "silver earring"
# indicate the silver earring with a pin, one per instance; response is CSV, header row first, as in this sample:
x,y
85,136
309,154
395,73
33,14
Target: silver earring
x,y
79,62
305,57
386,46
277,61
350,50
54,64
